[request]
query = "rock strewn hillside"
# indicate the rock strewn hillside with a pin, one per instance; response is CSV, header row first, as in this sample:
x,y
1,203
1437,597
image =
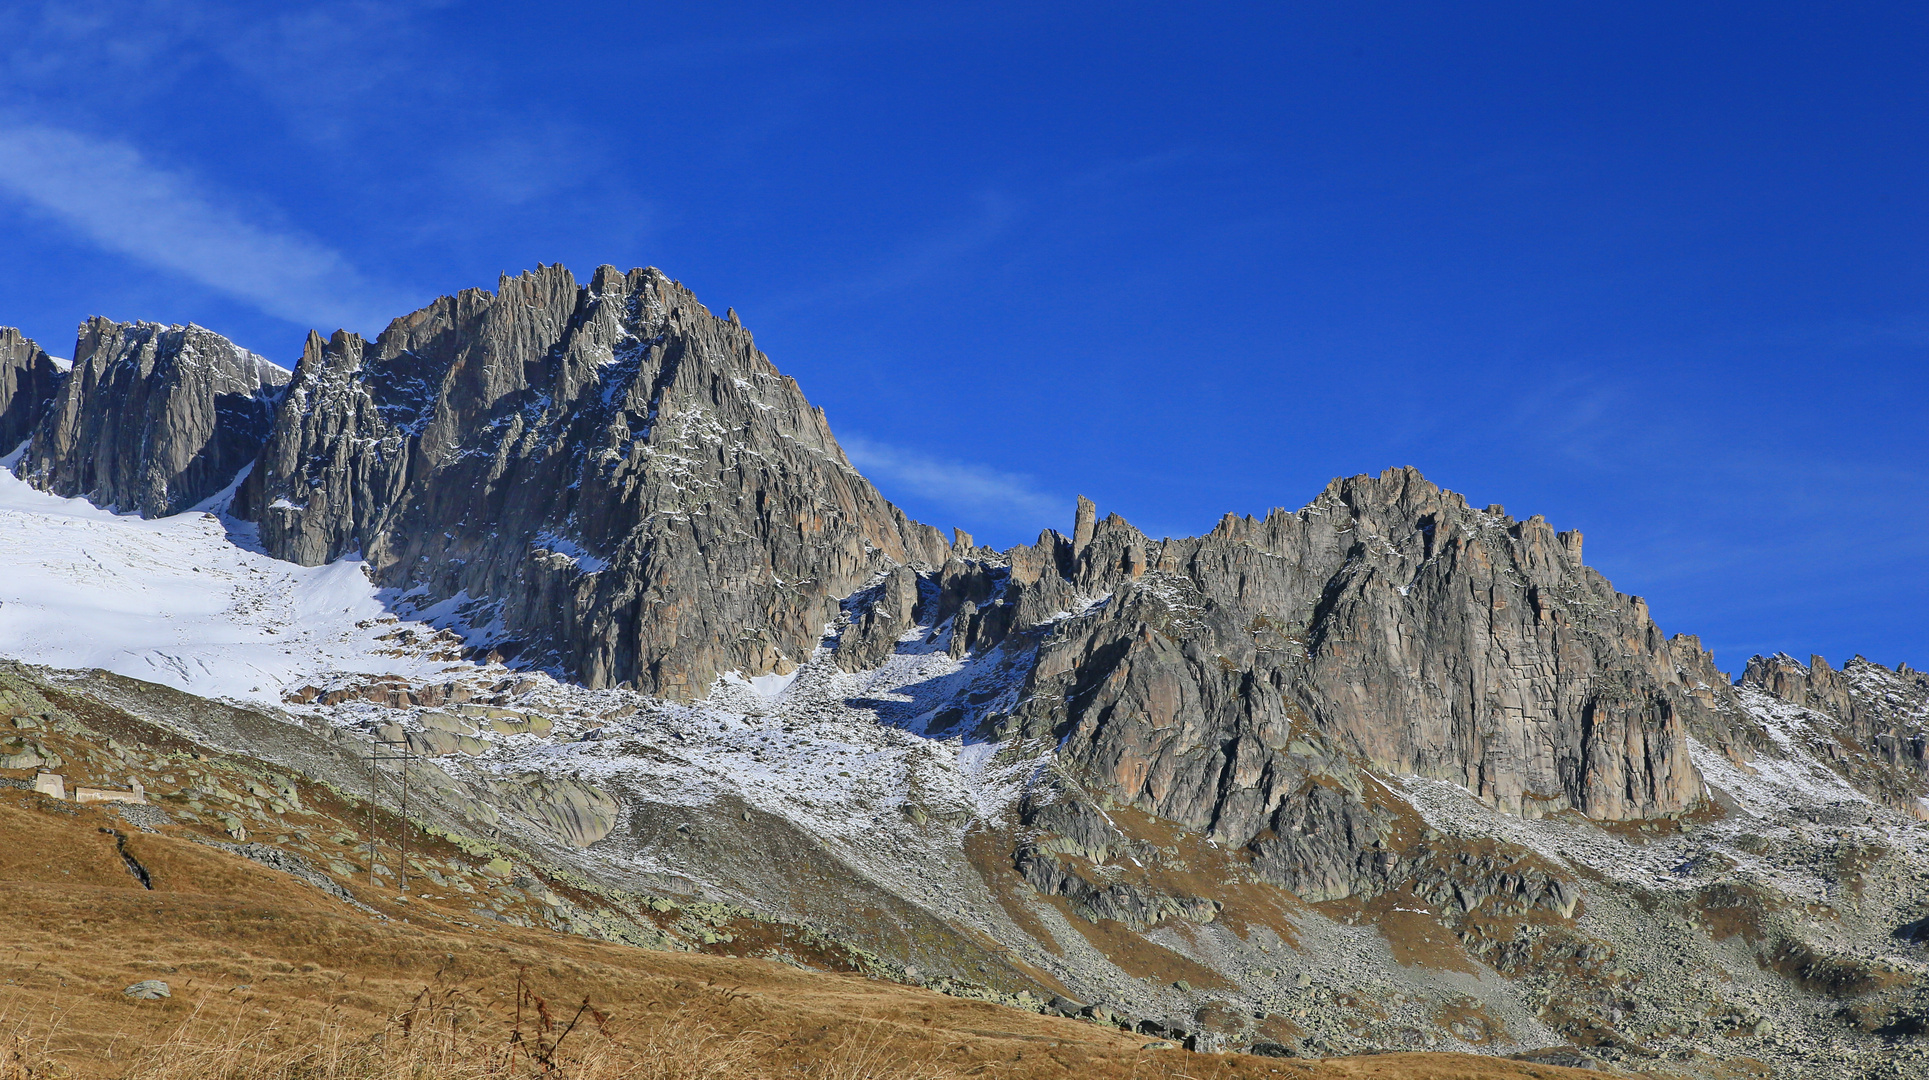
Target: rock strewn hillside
x,y
620,477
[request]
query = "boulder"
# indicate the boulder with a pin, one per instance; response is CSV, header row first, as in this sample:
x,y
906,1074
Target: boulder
x,y
147,990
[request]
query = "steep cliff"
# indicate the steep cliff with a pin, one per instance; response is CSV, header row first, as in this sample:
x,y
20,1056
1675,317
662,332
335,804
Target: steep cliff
x,y
152,419
28,380
620,477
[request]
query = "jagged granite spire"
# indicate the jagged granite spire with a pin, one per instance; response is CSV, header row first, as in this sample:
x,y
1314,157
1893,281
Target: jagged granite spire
x,y
152,418
29,379
642,497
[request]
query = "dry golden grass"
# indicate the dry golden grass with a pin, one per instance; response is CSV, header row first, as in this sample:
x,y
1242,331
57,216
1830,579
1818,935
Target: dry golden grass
x,y
273,980
438,1038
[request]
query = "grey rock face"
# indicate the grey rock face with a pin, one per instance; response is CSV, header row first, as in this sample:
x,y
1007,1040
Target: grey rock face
x,y
1326,842
641,497
152,418
1118,901
1422,636
882,615
28,381
1238,685
1070,845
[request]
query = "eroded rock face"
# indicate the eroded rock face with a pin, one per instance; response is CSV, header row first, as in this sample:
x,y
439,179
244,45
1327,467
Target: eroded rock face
x,y
1422,636
1118,901
1069,847
621,476
152,419
28,381
881,614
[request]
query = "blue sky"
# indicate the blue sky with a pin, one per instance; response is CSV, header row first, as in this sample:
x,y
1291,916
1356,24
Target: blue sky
x,y
1654,271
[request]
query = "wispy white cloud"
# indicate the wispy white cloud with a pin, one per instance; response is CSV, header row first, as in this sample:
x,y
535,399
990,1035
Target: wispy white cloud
x,y
94,57
340,75
114,196
1593,421
993,218
1000,499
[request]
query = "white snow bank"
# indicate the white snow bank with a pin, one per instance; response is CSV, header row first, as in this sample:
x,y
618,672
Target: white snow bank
x,y
175,601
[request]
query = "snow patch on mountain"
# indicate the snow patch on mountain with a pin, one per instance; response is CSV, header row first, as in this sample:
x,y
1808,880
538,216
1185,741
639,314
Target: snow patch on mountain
x,y
178,601
555,543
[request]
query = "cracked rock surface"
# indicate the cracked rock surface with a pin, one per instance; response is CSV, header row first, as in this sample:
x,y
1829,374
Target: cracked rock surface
x,y
28,380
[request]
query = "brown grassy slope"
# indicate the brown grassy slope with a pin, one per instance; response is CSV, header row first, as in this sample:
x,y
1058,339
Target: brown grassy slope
x,y
245,948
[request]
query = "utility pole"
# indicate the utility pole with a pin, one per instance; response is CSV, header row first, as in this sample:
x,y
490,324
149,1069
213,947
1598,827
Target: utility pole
x,y
376,756
402,867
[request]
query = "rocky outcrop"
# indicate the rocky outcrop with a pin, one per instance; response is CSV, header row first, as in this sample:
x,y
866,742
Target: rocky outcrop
x,y
1119,901
1075,853
28,380
578,812
620,477
152,419
1882,711
1420,635
1879,718
879,616
1337,833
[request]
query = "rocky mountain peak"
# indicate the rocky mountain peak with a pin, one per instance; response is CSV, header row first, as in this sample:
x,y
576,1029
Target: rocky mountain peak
x,y
621,478
152,419
1421,636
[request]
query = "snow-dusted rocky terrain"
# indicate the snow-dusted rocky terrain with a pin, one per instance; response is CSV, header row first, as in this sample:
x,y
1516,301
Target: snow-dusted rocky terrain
x,y
859,764
1390,771
189,601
